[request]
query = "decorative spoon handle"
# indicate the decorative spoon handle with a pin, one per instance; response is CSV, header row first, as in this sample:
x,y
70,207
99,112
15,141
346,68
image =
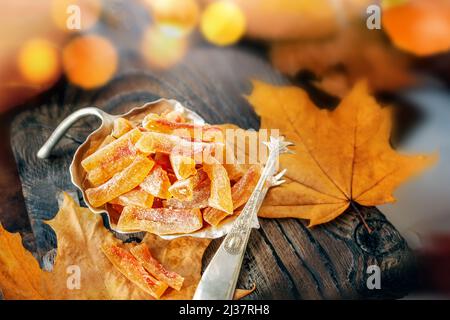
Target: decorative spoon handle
x,y
220,277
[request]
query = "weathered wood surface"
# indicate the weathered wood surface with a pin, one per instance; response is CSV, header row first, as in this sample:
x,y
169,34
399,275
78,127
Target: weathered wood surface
x,y
285,259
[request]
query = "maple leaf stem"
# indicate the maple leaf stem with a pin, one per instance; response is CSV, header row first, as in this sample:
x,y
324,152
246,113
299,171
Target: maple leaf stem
x,y
361,217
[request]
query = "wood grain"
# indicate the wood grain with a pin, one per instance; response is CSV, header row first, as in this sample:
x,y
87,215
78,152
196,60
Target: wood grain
x,y
285,259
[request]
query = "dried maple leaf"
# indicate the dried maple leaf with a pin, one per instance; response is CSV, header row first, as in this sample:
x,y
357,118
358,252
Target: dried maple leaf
x,y
342,156
20,275
242,293
80,235
341,60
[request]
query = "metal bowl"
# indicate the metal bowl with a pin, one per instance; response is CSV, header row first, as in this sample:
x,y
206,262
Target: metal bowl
x,y
135,115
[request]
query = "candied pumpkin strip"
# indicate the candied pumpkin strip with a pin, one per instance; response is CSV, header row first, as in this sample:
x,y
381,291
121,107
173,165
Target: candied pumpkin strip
x,y
220,197
112,158
235,171
243,189
135,197
160,221
133,270
111,152
234,168
157,183
184,189
154,122
106,141
174,115
120,127
200,194
151,142
120,183
142,253
240,193
182,166
104,172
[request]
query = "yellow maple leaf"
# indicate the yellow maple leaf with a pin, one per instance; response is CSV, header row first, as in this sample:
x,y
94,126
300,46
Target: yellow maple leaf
x,y
342,156
80,234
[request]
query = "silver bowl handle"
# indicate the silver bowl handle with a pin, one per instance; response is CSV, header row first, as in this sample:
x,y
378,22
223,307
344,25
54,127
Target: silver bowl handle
x,y
45,150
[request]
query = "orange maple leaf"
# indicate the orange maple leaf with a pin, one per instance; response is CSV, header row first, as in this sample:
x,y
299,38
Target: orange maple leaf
x,y
342,156
80,234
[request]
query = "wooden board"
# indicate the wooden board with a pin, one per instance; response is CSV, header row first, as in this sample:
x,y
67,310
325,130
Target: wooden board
x,y
285,259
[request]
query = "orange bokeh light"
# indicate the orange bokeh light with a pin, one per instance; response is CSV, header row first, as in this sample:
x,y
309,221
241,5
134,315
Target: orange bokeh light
x,y
223,23
162,51
175,17
420,27
38,61
89,61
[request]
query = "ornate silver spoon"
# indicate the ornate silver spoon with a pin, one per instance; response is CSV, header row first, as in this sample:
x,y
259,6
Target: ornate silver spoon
x,y
219,280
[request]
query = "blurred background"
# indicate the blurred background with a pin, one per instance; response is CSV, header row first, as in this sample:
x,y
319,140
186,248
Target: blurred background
x,y
400,46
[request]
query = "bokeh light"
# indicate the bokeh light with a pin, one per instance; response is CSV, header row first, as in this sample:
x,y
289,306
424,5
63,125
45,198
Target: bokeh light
x,y
420,27
175,17
38,61
162,51
223,23
89,61
89,13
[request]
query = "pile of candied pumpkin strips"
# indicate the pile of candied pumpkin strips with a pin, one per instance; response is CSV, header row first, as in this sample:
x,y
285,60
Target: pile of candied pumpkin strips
x,y
139,266
163,176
